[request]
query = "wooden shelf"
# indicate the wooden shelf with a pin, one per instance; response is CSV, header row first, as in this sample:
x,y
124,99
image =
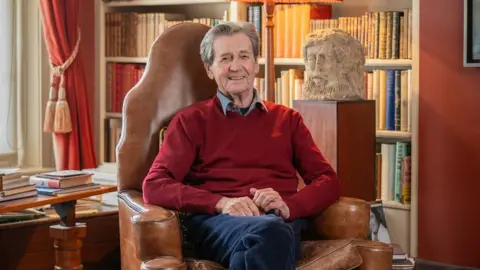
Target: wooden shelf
x,y
139,3
113,115
389,63
386,63
394,135
405,63
138,60
396,205
41,200
381,134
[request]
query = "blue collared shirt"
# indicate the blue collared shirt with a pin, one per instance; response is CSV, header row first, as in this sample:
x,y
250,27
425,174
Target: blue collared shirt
x,y
227,104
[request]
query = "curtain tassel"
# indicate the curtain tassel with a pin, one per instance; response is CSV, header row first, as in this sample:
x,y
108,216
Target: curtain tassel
x,y
57,113
63,122
50,109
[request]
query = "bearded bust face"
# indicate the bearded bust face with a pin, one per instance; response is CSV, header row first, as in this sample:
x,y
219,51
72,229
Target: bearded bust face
x,y
334,66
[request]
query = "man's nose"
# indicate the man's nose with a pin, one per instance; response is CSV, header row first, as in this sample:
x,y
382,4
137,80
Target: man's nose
x,y
234,65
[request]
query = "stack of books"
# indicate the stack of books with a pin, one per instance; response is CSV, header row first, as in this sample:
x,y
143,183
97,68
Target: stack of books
x,y
15,184
62,182
400,259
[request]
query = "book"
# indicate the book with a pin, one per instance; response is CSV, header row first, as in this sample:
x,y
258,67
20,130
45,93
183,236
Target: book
x,y
378,224
62,174
61,179
18,190
58,191
19,196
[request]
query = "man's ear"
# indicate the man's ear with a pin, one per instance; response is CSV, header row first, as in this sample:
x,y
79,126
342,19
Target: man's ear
x,y
209,71
257,68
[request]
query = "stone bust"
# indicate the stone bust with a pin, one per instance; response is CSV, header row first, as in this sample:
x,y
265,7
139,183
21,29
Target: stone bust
x,y
334,66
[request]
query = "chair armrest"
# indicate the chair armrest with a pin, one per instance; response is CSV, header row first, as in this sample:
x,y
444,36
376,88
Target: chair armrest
x,y
164,263
346,218
155,231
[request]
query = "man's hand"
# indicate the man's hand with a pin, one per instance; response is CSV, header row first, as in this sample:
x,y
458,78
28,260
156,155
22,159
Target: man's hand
x,y
268,199
243,206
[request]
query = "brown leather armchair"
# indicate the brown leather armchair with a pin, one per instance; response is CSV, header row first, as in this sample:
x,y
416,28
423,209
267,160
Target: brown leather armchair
x,y
151,236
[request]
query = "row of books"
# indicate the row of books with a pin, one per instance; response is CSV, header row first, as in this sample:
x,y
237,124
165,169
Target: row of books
x,y
62,182
17,184
390,88
392,91
393,172
288,86
131,34
384,35
120,78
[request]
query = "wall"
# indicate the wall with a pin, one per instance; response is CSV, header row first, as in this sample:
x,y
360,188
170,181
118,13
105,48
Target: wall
x,y
449,145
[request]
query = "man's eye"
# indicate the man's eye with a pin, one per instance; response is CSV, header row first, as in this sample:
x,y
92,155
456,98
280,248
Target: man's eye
x,y
245,56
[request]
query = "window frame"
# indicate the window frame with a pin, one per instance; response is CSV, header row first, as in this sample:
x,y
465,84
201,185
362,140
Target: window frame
x,y
34,147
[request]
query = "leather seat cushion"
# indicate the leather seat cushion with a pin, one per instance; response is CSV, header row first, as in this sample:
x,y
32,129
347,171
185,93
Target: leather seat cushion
x,y
193,264
329,255
316,255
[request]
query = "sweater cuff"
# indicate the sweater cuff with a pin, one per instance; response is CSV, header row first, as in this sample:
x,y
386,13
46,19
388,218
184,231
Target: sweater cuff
x,y
293,208
212,202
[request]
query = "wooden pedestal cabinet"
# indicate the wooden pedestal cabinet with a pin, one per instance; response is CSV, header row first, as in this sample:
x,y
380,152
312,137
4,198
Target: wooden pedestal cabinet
x,y
345,133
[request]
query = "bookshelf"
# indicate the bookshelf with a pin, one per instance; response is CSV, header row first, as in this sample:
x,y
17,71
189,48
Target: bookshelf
x,y
142,3
194,9
370,63
394,135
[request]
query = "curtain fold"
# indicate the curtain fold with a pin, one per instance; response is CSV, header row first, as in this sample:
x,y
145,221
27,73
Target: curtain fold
x,y
73,137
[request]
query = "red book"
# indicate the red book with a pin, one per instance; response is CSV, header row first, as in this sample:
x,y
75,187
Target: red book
x,y
320,12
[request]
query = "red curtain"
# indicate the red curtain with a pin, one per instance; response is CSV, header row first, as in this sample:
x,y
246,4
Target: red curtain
x,y
74,149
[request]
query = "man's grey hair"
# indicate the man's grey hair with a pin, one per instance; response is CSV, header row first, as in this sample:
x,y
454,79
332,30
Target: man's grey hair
x,y
227,29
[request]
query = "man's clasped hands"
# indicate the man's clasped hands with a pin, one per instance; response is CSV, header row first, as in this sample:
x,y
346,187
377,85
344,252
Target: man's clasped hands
x,y
264,200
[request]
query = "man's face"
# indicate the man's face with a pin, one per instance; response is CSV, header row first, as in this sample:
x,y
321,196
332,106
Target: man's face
x,y
234,67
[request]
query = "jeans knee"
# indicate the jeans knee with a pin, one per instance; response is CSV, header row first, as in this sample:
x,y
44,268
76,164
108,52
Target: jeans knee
x,y
275,231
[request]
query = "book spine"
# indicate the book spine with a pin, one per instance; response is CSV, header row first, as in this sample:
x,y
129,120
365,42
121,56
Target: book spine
x,y
398,92
42,182
401,152
390,101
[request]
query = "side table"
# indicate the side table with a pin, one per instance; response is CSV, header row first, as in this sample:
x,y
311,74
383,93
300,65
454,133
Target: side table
x,y
68,234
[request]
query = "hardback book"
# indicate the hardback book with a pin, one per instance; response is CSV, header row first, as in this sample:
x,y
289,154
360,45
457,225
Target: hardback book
x,y
58,191
61,179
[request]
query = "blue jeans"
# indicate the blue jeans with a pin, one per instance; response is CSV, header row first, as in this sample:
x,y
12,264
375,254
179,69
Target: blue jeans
x,y
246,243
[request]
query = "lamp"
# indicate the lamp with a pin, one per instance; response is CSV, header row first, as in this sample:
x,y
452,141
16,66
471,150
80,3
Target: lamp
x,y
269,6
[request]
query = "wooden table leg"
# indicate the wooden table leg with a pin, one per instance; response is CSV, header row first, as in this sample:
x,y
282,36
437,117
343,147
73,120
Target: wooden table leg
x,y
67,237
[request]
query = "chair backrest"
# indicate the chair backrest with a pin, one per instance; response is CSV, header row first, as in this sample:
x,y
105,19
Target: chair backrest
x,y
174,78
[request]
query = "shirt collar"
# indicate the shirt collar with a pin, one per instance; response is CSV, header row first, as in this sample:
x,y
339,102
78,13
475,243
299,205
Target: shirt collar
x,y
227,103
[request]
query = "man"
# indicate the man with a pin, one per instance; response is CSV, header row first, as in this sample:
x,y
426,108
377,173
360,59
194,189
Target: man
x,y
231,162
